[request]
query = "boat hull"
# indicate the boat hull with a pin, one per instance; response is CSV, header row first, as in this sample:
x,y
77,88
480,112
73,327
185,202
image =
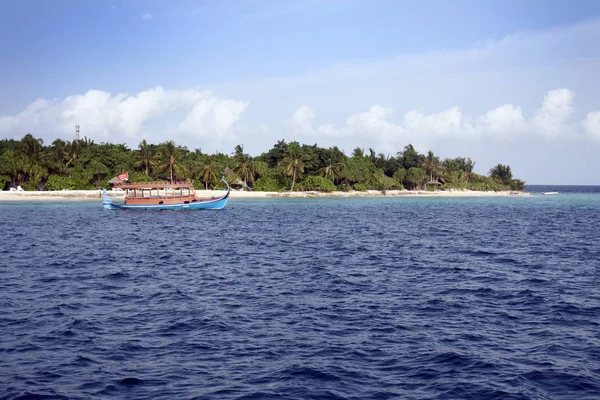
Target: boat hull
x,y
216,204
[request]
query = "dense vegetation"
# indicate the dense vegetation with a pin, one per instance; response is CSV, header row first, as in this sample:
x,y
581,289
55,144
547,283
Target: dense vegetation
x,y
83,164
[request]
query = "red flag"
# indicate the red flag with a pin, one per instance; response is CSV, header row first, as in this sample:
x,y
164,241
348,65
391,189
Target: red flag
x,y
123,177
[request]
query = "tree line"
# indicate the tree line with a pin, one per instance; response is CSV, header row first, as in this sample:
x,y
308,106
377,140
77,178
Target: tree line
x,y
82,164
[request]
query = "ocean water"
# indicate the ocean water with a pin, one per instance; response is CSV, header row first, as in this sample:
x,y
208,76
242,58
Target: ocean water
x,y
366,298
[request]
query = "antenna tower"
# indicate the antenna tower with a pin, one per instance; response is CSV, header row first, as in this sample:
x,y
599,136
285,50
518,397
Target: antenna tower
x,y
76,132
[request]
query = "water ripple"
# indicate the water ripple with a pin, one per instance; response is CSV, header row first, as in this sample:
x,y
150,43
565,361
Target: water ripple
x,y
303,299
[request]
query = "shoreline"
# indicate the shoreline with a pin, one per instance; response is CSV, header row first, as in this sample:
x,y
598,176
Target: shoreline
x,y
96,194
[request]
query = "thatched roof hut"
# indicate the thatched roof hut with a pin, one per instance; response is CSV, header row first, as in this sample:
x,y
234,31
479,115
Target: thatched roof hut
x,y
238,182
228,172
114,181
433,182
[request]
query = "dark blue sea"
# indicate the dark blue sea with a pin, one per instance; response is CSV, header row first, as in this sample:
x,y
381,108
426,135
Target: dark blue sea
x,y
360,298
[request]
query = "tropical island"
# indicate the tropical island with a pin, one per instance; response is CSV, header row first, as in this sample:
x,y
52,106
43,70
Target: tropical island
x,y
81,164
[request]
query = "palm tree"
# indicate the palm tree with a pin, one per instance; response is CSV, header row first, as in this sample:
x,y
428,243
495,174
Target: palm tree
x,y
57,157
36,174
169,158
73,151
32,149
207,170
293,165
372,155
144,156
430,164
409,157
14,164
331,171
100,171
416,177
400,175
469,165
358,152
85,142
502,173
243,165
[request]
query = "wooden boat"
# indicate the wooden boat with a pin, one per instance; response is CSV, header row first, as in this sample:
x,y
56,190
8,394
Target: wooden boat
x,y
164,196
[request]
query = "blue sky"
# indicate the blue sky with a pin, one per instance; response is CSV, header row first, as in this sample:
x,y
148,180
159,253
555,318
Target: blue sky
x,y
500,81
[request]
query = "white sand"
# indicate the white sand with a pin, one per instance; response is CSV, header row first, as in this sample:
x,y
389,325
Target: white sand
x,y
96,194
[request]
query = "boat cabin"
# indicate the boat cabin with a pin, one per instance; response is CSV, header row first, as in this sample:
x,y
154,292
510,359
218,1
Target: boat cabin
x,y
144,193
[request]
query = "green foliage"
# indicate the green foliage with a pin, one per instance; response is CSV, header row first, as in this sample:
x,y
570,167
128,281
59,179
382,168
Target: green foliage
x,y
477,182
416,177
517,184
82,178
361,187
387,183
198,184
268,184
430,164
274,156
243,165
136,176
207,170
261,168
410,157
331,170
317,183
501,173
489,185
358,153
144,157
57,182
294,162
400,175
455,179
359,170
344,187
4,180
169,159
8,144
36,174
83,164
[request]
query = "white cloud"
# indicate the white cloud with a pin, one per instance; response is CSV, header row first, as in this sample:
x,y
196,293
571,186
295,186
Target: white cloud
x,y
447,122
591,124
146,17
212,119
378,127
192,117
302,118
556,109
502,121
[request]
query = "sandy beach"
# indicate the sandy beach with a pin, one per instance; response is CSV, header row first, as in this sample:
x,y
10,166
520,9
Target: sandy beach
x,y
96,194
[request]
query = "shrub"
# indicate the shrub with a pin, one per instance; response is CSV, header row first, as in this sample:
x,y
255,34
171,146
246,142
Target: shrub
x,y
344,187
517,184
387,183
4,179
56,182
267,184
135,176
317,183
400,175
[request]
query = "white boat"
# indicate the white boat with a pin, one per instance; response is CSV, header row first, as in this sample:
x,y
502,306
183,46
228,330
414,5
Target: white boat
x,y
549,192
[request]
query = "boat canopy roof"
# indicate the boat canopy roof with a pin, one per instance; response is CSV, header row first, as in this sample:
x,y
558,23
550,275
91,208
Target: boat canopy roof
x,y
156,185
